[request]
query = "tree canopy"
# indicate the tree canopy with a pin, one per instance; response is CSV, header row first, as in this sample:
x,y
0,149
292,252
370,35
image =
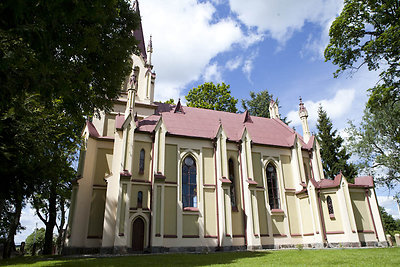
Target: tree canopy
x,y
376,143
211,96
258,104
333,154
78,51
59,61
368,33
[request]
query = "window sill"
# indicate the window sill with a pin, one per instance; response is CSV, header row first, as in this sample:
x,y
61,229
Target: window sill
x,y
332,216
191,209
277,211
235,209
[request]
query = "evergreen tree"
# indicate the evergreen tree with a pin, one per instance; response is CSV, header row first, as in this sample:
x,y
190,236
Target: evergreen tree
x,y
334,156
258,105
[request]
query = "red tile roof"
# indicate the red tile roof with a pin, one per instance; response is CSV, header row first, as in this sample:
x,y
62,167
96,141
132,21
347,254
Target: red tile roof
x,y
204,123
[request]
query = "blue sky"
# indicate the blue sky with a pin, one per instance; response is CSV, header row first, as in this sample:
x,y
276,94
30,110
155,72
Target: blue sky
x,y
253,45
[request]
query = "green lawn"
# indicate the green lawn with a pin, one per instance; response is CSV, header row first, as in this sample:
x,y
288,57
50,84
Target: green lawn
x,y
325,257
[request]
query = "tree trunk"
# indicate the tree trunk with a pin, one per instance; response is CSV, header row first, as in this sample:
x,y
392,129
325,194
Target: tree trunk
x,y
48,237
9,244
61,228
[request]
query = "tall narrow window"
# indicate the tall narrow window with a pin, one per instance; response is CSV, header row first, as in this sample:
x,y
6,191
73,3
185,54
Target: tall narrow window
x,y
232,187
330,206
189,188
139,199
141,161
272,183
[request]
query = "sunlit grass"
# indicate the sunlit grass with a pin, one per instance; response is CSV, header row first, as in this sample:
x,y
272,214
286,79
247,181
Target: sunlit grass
x,y
325,257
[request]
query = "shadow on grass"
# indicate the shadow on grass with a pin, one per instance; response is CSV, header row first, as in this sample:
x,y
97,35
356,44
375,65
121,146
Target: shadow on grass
x,y
138,260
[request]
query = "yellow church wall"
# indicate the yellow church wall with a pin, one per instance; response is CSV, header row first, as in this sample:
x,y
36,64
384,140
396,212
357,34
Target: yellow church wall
x,y
333,224
306,165
361,212
288,178
237,215
190,225
306,217
278,224
257,168
103,165
128,144
158,211
170,209
171,163
208,166
293,215
96,215
109,125
134,195
210,216
262,213
139,145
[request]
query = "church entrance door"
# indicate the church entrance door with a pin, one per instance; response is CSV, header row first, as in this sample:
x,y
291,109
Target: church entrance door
x,y
138,234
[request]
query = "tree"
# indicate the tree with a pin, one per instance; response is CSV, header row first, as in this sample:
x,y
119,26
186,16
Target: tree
x,y
390,225
54,63
210,96
376,143
37,237
258,105
170,101
368,33
333,154
81,56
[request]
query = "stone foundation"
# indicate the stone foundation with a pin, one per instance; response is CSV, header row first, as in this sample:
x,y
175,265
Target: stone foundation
x,y
126,250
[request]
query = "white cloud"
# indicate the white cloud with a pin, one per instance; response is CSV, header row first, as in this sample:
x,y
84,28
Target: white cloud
x,y
186,36
248,65
390,205
212,73
336,107
234,63
280,18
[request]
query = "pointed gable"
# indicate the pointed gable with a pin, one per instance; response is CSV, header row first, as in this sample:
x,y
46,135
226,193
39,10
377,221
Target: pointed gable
x,y
179,108
247,117
138,33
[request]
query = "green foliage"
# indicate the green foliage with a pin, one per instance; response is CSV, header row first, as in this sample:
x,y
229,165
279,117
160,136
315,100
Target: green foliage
x,y
258,105
376,142
333,154
211,96
170,101
59,61
31,239
78,51
390,225
368,33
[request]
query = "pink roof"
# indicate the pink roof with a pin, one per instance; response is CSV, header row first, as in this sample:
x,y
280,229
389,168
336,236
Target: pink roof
x,y
204,123
363,181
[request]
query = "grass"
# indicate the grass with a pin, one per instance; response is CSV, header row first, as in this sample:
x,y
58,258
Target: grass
x,y
306,257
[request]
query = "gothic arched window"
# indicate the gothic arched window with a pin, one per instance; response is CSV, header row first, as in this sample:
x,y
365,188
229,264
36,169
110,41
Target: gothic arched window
x,y
139,199
141,161
232,187
272,184
189,184
330,206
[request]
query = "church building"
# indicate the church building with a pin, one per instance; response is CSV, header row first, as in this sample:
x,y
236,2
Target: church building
x,y
157,177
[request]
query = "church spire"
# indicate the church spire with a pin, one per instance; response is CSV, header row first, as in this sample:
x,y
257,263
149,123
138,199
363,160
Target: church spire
x,y
304,123
150,52
138,33
273,110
